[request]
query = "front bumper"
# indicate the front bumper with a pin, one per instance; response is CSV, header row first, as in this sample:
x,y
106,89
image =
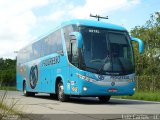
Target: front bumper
x,y
103,90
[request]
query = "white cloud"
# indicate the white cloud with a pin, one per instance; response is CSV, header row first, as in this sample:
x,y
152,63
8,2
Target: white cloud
x,y
57,15
17,18
101,7
16,22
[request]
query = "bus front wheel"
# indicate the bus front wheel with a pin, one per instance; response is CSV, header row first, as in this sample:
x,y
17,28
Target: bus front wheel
x,y
25,92
61,96
104,99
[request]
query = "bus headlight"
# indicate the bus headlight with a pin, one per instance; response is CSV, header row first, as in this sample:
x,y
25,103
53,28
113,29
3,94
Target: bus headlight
x,y
134,89
86,78
84,88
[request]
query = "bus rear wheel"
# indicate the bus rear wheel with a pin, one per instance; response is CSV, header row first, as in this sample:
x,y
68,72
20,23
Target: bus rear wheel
x,y
25,92
60,92
104,99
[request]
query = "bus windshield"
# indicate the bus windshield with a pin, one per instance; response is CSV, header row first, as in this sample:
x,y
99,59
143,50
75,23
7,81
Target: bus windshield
x,y
107,52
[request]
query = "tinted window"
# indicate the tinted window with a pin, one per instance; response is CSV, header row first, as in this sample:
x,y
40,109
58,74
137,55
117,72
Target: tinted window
x,y
55,42
36,50
67,30
24,55
107,52
74,59
45,46
48,45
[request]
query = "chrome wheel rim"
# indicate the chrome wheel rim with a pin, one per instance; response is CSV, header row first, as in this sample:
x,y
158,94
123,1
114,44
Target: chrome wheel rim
x,y
60,91
24,89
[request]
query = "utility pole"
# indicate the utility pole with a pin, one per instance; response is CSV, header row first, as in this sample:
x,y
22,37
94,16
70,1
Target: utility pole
x,y
98,17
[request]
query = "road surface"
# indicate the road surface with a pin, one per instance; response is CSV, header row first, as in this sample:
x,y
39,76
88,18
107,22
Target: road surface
x,y
88,107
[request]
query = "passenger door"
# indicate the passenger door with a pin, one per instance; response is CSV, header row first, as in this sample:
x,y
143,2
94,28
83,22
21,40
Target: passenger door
x,y
73,67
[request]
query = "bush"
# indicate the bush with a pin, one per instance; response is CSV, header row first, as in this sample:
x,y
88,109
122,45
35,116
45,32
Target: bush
x,y
7,72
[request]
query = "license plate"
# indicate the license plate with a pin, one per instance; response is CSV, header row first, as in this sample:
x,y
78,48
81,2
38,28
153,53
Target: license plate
x,y
112,90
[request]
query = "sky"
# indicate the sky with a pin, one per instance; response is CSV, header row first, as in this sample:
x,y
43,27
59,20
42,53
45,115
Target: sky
x,y
22,21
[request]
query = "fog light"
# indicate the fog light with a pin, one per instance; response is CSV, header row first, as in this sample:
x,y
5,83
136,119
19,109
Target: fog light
x,y
134,89
85,88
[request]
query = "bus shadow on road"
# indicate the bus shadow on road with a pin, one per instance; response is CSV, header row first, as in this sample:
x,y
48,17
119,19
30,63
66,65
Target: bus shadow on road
x,y
90,101
94,101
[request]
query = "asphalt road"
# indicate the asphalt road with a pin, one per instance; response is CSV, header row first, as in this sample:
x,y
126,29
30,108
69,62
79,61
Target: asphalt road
x,y
80,108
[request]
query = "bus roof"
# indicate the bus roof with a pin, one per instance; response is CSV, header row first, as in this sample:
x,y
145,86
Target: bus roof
x,y
93,23
83,22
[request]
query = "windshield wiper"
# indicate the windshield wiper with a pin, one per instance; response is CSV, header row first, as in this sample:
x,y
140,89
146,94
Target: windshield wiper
x,y
96,60
91,68
105,60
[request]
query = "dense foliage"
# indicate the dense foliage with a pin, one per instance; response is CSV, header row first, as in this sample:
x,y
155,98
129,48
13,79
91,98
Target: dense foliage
x,y
7,72
148,64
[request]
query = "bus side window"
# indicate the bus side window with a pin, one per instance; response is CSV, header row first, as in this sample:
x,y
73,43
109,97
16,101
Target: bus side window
x,y
67,30
74,53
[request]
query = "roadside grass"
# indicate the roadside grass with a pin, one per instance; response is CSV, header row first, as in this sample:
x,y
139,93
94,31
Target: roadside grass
x,y
8,88
9,110
6,110
142,95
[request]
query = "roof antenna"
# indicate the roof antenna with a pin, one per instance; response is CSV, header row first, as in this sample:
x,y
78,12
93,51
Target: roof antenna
x,y
98,17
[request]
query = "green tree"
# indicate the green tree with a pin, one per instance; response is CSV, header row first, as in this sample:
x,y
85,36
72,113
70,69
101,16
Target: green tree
x,y
7,72
149,62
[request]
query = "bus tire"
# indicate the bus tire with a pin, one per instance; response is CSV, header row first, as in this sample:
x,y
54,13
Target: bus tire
x,y
104,99
54,96
32,94
25,92
60,93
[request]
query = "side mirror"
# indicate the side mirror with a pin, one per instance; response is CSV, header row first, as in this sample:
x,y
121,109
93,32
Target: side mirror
x,y
78,37
140,44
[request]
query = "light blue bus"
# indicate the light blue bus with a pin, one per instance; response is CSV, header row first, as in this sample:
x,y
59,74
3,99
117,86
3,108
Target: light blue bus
x,y
79,58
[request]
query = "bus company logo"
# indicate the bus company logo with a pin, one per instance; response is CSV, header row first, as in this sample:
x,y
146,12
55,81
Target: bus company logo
x,y
112,83
101,77
33,78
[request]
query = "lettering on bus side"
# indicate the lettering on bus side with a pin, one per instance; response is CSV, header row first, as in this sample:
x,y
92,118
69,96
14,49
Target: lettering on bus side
x,y
51,61
119,77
